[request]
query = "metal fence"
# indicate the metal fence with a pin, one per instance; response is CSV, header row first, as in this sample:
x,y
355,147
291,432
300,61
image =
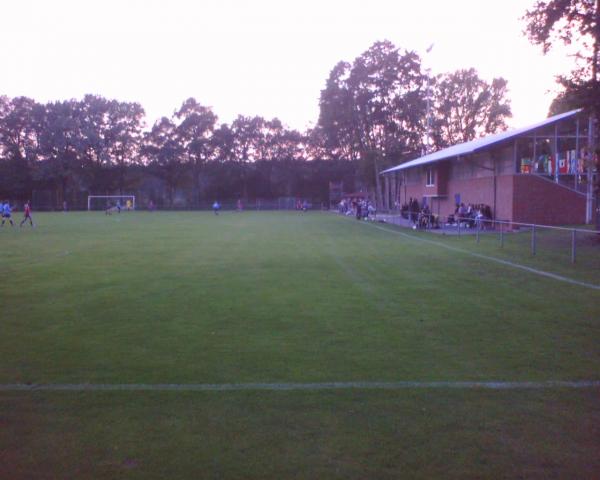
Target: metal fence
x,y
550,244
283,203
539,237
51,201
562,243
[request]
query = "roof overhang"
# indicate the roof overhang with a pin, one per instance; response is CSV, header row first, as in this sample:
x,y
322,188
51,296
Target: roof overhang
x,y
479,144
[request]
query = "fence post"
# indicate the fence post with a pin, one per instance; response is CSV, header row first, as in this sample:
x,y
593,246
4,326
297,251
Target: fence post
x,y
533,239
573,245
501,235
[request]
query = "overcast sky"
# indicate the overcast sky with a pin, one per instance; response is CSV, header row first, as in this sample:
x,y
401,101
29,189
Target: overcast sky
x,y
256,57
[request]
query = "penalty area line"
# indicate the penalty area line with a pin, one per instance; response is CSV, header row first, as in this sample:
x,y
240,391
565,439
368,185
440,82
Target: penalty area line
x,y
232,387
508,263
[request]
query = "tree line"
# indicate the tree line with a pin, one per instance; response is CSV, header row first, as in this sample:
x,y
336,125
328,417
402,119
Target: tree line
x,y
381,109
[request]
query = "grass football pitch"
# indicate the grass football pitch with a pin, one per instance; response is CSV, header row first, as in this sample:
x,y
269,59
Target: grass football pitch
x,y
290,298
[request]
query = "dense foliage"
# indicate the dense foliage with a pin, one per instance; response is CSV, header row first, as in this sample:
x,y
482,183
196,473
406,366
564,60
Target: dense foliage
x,y
372,114
570,22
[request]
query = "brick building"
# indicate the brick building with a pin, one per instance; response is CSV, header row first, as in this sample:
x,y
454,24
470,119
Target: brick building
x,y
535,174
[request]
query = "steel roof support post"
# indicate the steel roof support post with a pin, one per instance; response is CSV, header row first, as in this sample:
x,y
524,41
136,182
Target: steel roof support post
x,y
495,182
576,173
555,146
397,202
393,199
534,159
386,188
589,198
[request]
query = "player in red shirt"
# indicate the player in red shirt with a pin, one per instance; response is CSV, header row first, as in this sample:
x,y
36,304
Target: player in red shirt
x,y
27,214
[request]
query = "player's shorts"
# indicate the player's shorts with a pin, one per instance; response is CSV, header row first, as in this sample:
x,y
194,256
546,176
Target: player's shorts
x,y
6,215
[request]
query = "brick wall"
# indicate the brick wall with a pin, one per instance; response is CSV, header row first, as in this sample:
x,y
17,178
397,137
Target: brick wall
x,y
537,200
519,198
473,190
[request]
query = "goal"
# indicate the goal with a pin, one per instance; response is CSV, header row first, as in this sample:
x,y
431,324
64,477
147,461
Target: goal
x,y
102,202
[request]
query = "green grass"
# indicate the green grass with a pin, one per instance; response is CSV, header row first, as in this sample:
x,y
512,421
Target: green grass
x,y
552,251
285,297
345,435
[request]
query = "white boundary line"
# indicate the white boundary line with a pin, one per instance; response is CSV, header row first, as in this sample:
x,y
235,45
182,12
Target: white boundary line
x,y
508,263
233,387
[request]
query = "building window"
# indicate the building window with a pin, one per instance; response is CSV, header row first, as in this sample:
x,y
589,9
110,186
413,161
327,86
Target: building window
x,y
430,178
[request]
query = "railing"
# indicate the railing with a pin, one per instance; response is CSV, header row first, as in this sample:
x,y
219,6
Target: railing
x,y
519,238
561,237
228,204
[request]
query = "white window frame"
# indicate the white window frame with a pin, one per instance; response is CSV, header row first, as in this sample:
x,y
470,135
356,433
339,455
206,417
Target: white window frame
x,y
429,177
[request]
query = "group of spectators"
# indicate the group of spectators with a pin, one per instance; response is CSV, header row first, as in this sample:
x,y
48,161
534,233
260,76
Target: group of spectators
x,y
361,208
470,216
467,216
420,215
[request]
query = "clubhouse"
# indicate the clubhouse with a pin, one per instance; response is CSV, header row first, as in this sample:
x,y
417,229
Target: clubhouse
x,y
535,174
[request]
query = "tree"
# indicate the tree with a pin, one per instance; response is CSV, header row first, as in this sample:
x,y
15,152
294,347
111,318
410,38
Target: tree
x,y
248,144
275,142
571,22
60,145
223,148
248,138
335,130
315,145
375,107
19,145
568,21
124,136
94,140
165,154
575,94
194,132
466,107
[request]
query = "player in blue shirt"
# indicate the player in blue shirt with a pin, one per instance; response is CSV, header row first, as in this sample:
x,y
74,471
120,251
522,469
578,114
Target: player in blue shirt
x,y
7,214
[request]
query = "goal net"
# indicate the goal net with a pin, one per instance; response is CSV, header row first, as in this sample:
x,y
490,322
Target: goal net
x,y
103,202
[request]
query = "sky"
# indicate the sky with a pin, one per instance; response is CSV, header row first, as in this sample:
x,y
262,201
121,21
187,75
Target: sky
x,y
257,57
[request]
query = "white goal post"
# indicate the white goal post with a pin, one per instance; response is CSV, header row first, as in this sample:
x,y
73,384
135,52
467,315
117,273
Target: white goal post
x,y
122,199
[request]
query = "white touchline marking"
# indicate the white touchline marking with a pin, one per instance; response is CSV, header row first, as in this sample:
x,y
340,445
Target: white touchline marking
x,y
221,387
493,259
